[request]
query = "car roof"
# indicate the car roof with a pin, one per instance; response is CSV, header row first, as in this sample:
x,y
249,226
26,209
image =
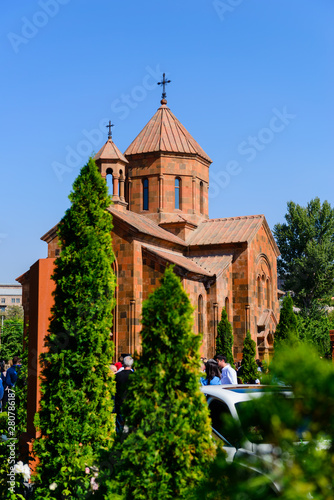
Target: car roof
x,y
240,392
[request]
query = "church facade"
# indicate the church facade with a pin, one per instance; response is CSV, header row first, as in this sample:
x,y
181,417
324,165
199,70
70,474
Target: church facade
x,y
161,217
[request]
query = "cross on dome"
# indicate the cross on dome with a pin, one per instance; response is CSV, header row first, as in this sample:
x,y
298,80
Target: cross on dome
x,y
109,127
164,83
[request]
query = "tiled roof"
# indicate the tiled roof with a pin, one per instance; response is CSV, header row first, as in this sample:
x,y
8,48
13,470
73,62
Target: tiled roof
x,y
179,260
143,224
214,264
189,219
164,133
110,151
50,235
171,218
229,230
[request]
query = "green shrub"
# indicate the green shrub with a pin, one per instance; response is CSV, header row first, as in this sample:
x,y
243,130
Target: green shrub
x,y
11,339
287,328
169,445
313,327
248,371
75,419
224,340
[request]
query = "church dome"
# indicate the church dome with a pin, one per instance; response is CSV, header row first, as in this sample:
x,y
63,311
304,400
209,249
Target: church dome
x,y
165,134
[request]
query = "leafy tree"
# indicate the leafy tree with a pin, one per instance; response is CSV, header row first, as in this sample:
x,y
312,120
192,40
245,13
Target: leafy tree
x,y
75,419
313,327
306,243
331,320
169,444
21,393
14,312
11,339
287,328
224,340
248,370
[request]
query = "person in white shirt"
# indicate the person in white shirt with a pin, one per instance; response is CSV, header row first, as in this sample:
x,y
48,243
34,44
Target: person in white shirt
x,y
229,375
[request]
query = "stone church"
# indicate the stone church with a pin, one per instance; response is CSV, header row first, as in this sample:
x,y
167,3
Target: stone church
x,y
161,216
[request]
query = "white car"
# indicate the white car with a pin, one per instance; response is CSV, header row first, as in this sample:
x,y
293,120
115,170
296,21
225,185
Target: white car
x,y
233,401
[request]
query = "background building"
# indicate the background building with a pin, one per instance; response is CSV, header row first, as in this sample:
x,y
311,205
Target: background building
x,y
10,295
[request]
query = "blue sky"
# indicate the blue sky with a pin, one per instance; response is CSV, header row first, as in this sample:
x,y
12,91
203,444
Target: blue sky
x,y
252,81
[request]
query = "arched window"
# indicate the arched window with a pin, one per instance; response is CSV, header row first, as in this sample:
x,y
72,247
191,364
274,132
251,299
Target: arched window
x,y
259,291
201,198
109,180
145,194
200,314
268,294
227,308
177,191
119,183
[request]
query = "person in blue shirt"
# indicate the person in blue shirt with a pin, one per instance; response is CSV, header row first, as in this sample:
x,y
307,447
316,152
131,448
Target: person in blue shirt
x,y
11,376
212,373
1,392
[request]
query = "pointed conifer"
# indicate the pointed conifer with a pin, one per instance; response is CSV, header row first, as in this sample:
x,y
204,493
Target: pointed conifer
x,y
287,329
75,418
248,371
224,340
169,444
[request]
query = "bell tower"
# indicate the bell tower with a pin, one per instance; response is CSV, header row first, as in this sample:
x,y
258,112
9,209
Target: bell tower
x,y
111,161
167,172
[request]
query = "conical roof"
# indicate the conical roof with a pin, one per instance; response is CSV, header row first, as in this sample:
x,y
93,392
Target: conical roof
x,y
165,134
110,151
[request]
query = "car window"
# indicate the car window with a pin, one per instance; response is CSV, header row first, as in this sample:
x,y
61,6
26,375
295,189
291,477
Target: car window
x,y
220,413
256,421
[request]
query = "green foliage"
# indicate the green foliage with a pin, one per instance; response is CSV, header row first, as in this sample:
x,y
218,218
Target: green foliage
x,y
4,453
248,370
75,419
224,340
331,320
307,469
169,444
300,468
313,327
7,461
306,243
14,312
11,339
287,328
232,481
21,391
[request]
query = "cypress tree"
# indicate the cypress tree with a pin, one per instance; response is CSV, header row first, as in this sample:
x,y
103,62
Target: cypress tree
x,y
75,419
248,370
169,444
224,340
287,328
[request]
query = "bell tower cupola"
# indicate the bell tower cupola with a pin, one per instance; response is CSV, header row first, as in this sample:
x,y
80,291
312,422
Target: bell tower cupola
x,y
111,161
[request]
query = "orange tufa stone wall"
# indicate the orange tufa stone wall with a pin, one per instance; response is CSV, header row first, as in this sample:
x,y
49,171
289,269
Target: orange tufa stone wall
x,y
161,172
37,303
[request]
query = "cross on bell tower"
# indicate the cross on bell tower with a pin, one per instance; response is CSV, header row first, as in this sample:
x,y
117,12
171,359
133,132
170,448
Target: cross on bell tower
x,y
164,83
109,127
